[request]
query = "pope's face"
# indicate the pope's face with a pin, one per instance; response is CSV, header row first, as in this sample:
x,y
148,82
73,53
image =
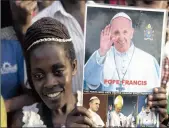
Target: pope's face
x,y
122,33
94,105
147,110
118,109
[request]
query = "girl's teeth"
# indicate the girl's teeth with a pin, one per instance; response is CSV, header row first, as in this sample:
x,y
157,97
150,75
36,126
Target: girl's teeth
x,y
53,95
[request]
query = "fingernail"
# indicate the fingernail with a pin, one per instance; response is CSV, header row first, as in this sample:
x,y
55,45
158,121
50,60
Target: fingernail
x,y
150,97
166,116
156,90
150,103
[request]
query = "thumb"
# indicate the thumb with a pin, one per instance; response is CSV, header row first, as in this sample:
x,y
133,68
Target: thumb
x,y
112,40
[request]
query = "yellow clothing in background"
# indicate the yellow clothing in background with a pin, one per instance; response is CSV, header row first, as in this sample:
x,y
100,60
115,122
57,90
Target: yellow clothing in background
x,y
3,119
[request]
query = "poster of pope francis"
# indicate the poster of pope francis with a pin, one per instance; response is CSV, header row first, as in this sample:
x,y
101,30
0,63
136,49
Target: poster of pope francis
x,y
123,48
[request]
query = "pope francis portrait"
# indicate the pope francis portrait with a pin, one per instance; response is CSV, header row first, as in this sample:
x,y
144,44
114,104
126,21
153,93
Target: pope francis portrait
x,y
118,65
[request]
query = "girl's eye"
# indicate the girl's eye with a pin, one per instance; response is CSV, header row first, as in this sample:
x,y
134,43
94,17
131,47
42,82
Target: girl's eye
x,y
59,72
38,76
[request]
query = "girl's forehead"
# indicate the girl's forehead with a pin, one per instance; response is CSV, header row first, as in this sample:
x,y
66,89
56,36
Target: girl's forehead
x,y
47,48
48,51
46,57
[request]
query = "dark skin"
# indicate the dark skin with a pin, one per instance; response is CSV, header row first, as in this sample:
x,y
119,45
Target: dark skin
x,y
157,101
76,8
158,98
79,117
16,103
51,73
22,12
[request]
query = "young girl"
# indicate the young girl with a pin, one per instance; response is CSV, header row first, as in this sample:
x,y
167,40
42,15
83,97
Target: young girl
x,y
51,64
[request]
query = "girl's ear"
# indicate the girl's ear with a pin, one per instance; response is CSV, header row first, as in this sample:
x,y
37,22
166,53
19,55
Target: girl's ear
x,y
74,67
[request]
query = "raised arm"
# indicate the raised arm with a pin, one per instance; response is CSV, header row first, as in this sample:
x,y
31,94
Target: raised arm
x,y
94,66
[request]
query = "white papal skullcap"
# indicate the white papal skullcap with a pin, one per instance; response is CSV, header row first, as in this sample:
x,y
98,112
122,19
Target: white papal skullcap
x,y
93,98
121,14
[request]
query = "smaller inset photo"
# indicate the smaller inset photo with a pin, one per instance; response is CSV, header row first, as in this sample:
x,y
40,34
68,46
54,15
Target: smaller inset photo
x,y
96,104
121,111
146,117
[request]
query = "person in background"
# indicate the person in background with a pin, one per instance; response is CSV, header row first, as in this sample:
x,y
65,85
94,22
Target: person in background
x,y
115,2
12,66
23,12
3,114
94,103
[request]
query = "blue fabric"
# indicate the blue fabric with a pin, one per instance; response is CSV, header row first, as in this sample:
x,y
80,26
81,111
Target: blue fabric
x,y
12,68
93,73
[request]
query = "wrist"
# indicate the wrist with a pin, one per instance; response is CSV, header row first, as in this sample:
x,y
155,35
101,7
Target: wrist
x,y
166,122
102,52
7,105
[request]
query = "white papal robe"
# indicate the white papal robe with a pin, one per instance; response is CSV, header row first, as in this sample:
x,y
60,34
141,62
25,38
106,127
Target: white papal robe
x,y
96,119
143,67
117,120
147,120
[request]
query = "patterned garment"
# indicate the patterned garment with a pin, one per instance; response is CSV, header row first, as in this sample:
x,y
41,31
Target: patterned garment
x,y
165,72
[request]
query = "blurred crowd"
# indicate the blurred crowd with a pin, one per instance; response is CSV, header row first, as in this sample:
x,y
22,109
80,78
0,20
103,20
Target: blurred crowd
x,y
18,15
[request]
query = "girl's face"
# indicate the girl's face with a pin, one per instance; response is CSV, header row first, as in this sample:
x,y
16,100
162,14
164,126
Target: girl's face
x,y
51,74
